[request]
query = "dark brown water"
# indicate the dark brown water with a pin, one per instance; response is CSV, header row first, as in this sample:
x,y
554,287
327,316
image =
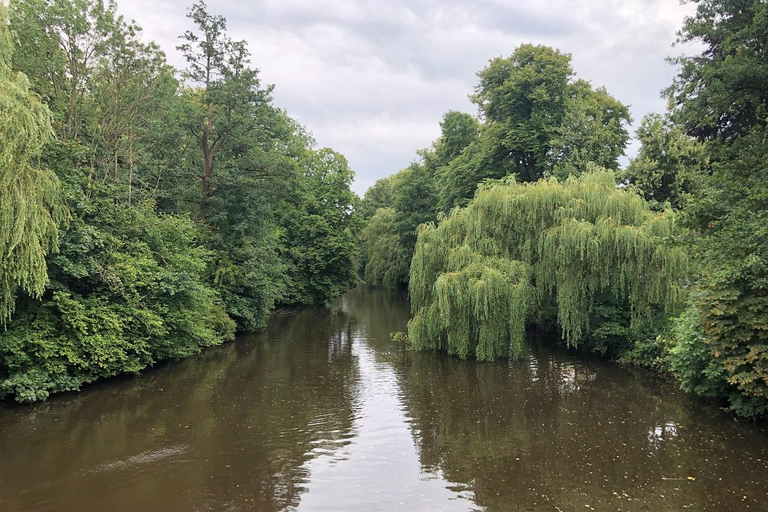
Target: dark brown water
x,y
324,413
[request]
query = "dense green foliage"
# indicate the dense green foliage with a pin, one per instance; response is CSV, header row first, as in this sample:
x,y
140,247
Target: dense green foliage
x,y
321,228
145,213
31,208
536,120
390,234
128,289
607,266
721,98
194,210
544,251
668,165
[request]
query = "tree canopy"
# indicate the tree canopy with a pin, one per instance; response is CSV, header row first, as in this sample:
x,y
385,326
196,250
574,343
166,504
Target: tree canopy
x,y
195,208
720,96
538,121
519,251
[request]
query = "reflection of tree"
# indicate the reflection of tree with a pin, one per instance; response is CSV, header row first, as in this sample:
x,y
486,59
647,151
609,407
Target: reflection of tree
x,y
377,313
231,428
234,427
555,430
660,433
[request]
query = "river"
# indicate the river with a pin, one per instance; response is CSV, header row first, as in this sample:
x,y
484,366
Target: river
x,y
323,412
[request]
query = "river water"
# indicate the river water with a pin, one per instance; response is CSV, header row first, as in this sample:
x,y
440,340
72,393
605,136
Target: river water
x,y
323,412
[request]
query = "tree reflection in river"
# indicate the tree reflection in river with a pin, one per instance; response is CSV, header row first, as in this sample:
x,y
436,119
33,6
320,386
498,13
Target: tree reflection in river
x,y
554,432
561,431
324,412
229,430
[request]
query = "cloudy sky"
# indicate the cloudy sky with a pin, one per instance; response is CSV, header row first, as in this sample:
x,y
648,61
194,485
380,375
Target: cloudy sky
x,y
372,79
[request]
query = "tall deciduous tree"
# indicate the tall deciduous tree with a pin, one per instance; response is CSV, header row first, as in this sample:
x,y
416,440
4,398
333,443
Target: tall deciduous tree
x,y
457,131
377,196
523,97
70,38
669,165
228,91
107,89
538,121
321,230
594,130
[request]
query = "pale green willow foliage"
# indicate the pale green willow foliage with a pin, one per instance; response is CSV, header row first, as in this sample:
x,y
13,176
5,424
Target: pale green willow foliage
x,y
388,257
518,249
30,201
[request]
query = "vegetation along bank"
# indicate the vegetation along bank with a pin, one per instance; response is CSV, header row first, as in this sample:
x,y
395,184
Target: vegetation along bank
x,y
146,213
528,220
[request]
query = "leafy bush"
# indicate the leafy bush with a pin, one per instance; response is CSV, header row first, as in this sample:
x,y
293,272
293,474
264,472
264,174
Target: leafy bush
x,y
127,291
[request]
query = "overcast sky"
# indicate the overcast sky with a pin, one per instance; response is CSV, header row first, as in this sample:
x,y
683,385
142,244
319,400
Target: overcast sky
x,y
372,79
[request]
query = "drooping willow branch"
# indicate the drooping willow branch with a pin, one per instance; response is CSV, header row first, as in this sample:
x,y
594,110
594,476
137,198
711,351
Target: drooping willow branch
x,y
30,203
478,277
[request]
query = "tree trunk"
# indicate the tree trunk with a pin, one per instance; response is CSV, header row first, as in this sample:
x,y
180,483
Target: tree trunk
x,y
208,153
206,184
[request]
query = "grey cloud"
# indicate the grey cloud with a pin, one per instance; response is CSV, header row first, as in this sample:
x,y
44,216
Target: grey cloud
x,y
372,79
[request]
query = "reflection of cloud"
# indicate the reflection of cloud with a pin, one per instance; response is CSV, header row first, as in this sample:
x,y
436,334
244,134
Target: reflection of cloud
x,y
661,433
573,378
372,79
533,364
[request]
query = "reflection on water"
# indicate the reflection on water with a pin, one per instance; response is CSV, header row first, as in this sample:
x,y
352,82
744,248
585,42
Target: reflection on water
x,y
659,433
378,471
229,430
323,412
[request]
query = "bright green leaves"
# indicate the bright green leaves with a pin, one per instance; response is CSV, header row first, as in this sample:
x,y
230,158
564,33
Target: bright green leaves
x,y
486,270
479,307
538,121
31,208
141,298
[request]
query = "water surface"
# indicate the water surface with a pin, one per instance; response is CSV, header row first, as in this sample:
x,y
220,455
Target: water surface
x,y
323,412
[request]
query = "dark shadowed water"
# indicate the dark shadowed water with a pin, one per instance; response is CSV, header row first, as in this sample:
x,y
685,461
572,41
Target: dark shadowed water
x,y
324,413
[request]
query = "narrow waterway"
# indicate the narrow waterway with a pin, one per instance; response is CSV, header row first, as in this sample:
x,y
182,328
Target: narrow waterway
x,y
323,412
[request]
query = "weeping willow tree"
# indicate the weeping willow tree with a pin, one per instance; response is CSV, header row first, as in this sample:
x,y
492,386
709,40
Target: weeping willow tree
x,y
30,204
519,250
